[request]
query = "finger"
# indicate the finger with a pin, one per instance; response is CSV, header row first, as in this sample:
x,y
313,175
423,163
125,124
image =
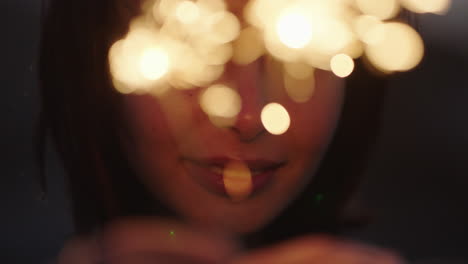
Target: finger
x,y
321,250
289,252
373,253
82,250
158,259
151,235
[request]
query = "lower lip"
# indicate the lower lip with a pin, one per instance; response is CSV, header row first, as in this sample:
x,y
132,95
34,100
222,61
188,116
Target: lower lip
x,y
214,181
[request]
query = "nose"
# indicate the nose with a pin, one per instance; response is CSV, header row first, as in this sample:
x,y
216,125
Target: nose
x,y
248,82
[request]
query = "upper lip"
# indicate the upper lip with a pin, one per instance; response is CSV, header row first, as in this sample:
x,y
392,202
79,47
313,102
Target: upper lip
x,y
253,164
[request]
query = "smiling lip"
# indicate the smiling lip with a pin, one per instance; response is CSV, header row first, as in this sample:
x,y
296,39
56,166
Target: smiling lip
x,y
209,172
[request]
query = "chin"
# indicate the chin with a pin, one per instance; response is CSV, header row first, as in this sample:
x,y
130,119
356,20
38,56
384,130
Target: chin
x,y
237,219
199,207
239,226
245,226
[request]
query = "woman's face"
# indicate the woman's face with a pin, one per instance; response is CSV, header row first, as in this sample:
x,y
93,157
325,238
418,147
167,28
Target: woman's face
x,y
180,154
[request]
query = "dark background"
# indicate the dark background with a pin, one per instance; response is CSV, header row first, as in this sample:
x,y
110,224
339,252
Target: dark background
x,y
416,181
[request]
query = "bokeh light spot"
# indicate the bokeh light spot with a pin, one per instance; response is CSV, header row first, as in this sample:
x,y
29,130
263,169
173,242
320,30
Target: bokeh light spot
x,y
299,81
221,101
294,29
367,29
188,43
401,49
187,12
275,119
248,46
298,70
342,65
154,63
223,27
217,54
212,6
427,6
383,9
122,72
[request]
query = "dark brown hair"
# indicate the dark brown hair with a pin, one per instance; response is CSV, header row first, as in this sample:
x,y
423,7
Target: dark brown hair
x,y
81,114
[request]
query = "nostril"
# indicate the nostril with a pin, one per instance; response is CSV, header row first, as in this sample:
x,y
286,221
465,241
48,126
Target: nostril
x,y
248,137
248,127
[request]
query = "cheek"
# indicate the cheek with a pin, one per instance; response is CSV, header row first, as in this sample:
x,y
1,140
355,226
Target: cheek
x,y
155,129
313,122
162,120
146,121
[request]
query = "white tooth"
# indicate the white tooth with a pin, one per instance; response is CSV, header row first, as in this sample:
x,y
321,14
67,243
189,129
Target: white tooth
x,y
237,179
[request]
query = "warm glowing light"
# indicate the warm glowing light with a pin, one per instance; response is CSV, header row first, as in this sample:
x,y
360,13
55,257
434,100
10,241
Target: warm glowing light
x,y
187,12
154,63
275,119
217,55
278,49
342,65
401,49
223,27
125,61
184,44
298,70
237,179
163,9
212,6
299,81
367,29
354,49
248,46
122,73
192,68
294,29
427,6
331,35
220,100
383,9
261,13
299,90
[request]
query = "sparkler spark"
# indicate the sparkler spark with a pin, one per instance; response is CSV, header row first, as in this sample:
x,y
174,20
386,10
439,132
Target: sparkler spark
x,y
154,63
294,29
187,43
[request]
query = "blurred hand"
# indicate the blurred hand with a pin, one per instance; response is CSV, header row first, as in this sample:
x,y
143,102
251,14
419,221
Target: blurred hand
x,y
319,250
141,241
156,241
